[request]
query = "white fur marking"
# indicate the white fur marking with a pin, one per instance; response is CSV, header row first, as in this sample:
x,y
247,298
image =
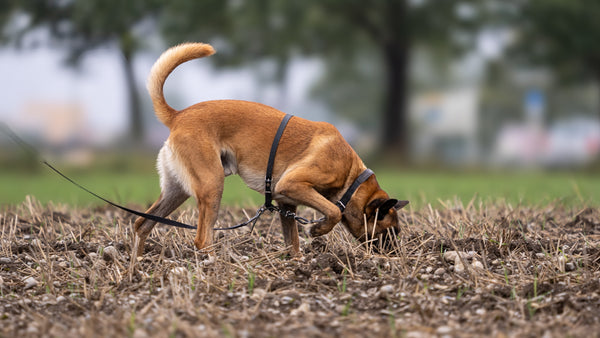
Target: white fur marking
x,y
171,171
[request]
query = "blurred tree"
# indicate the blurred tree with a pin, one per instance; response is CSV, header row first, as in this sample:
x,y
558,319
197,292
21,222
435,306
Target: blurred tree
x,y
7,9
562,35
392,30
83,25
338,31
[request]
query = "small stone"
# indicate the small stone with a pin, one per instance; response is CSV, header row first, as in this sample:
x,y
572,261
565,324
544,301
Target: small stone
x,y
5,260
452,256
140,333
443,330
569,266
477,264
304,308
439,271
32,330
428,269
287,300
209,261
386,289
110,253
178,272
258,293
480,312
30,282
458,265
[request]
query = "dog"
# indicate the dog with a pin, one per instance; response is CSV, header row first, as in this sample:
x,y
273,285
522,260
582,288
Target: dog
x,y
210,140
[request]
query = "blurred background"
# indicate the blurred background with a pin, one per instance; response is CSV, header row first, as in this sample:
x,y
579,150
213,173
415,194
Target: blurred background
x,y
420,88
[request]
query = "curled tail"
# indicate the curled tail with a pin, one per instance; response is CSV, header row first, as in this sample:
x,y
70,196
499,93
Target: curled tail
x,y
167,62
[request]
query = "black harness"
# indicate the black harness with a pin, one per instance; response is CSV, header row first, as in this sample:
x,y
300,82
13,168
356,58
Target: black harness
x,y
268,186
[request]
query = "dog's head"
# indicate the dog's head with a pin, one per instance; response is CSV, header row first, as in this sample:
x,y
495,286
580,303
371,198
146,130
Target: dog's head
x,y
377,219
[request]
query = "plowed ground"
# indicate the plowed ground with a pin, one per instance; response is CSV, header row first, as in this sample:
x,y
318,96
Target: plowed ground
x,y
458,270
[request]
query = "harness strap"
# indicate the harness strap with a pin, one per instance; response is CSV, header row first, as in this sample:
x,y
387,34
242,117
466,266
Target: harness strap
x,y
269,175
348,194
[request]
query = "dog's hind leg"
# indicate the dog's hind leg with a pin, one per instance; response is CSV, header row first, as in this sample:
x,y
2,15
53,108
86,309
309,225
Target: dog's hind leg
x,y
208,194
206,178
167,202
171,197
290,229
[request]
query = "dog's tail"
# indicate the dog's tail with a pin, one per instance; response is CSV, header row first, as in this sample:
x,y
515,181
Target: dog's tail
x,y
167,62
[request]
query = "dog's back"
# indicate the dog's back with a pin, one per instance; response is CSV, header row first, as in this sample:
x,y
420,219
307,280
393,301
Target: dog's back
x,y
242,133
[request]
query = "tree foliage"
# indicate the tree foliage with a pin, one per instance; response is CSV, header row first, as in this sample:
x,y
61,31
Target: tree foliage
x,y
79,26
380,32
561,34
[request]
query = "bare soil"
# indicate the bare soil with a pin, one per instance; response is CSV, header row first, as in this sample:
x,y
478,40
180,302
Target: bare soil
x,y
474,270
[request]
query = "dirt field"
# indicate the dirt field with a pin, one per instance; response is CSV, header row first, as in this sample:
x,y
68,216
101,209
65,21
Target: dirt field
x,y
472,270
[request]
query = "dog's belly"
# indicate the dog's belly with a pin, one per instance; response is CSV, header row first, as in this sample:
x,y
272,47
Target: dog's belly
x,y
254,180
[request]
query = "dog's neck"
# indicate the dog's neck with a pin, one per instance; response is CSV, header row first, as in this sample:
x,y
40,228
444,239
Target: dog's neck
x,y
354,212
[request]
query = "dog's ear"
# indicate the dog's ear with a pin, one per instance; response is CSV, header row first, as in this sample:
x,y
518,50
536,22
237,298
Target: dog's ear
x,y
385,207
373,206
400,205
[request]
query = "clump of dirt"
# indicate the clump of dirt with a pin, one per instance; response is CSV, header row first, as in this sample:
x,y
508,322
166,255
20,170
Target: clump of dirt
x,y
486,270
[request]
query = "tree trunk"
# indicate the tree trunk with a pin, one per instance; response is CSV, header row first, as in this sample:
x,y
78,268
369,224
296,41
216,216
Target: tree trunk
x,y
395,121
136,127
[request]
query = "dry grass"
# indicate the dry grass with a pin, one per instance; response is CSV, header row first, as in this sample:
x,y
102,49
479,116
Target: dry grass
x,y
458,270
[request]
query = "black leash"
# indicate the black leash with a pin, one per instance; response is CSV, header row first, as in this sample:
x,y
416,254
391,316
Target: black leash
x,y
32,151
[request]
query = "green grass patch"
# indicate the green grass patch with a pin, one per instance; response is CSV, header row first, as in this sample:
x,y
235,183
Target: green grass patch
x,y
421,188
524,188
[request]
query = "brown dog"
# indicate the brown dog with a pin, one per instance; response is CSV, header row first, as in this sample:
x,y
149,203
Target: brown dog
x,y
210,140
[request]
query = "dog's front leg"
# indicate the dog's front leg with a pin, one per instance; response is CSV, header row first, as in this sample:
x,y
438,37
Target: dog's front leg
x,y
304,193
290,229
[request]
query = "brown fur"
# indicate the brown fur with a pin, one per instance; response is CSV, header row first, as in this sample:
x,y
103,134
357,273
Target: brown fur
x,y
210,140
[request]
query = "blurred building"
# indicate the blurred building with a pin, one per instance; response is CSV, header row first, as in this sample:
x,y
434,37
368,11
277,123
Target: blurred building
x,y
446,126
57,126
